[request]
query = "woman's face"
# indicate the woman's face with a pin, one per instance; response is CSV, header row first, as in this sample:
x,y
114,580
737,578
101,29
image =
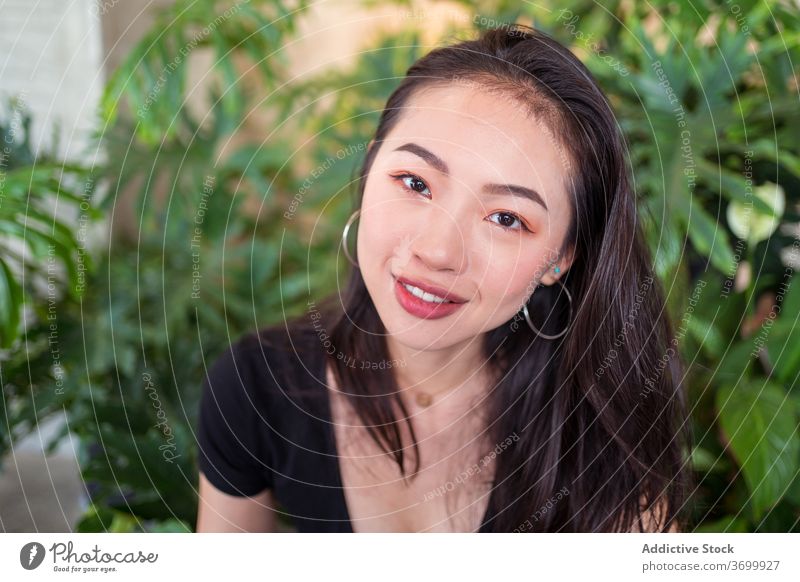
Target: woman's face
x,y
466,194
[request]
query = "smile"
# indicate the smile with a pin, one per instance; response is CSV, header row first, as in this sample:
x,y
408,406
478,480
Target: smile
x,y
429,297
423,304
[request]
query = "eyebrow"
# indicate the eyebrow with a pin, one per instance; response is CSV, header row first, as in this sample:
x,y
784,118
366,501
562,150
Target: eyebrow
x,y
439,164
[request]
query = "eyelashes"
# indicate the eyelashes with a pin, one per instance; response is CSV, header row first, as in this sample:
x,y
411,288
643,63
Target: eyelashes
x,y
419,182
402,177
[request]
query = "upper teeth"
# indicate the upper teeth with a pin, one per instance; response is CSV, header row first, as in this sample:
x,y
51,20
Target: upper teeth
x,y
417,292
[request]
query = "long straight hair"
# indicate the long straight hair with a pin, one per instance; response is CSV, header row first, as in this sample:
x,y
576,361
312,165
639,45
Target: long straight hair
x,y
600,413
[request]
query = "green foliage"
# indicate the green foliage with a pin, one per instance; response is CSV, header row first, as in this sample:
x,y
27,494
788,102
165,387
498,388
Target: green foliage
x,y
707,118
761,424
152,80
707,99
36,193
198,271
42,265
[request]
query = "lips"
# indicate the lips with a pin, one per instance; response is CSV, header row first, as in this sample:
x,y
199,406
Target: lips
x,y
433,289
418,307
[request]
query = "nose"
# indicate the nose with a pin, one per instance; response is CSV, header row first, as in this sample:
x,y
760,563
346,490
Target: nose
x,y
440,243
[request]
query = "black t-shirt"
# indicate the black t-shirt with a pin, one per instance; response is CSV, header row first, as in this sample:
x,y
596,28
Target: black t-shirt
x,y
265,422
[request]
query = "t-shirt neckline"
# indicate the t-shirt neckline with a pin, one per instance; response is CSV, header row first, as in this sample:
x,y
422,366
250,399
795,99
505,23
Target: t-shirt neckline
x,y
334,455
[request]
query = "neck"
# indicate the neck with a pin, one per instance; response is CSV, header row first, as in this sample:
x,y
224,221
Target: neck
x,y
455,371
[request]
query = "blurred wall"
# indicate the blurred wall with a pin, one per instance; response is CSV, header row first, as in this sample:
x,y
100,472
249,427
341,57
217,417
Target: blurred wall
x,y
50,58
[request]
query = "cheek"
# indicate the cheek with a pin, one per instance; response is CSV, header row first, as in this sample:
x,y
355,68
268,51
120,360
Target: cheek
x,y
381,227
510,285
502,261
511,276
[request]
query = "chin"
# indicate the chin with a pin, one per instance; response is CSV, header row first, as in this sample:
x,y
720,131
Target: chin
x,y
423,335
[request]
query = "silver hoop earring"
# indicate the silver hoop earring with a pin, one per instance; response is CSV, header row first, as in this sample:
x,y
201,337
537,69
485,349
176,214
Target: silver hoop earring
x,y
344,237
543,335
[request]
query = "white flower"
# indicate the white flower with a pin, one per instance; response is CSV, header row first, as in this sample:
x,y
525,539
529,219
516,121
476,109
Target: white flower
x,y
752,225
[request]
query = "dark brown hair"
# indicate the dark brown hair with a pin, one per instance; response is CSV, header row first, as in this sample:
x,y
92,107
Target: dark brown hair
x,y
600,412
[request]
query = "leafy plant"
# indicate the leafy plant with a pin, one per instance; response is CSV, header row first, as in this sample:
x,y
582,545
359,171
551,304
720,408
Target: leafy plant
x,y
204,266
225,226
42,265
198,271
34,234
707,98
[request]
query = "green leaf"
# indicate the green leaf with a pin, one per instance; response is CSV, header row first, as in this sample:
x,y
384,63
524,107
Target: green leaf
x,y
731,185
123,523
703,460
793,494
735,363
783,343
709,238
760,422
95,519
168,526
727,524
11,300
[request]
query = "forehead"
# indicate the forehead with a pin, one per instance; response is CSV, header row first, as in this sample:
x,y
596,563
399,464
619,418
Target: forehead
x,y
474,128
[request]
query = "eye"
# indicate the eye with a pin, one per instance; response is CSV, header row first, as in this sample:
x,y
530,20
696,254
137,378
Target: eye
x,y
507,220
413,182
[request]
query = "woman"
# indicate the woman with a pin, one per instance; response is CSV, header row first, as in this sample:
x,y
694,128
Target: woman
x,y
500,360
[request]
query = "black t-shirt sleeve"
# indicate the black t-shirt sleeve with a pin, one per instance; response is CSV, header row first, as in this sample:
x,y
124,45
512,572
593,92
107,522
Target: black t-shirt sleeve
x,y
229,452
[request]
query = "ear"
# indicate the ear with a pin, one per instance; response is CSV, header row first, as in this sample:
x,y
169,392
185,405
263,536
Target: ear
x,y
563,263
